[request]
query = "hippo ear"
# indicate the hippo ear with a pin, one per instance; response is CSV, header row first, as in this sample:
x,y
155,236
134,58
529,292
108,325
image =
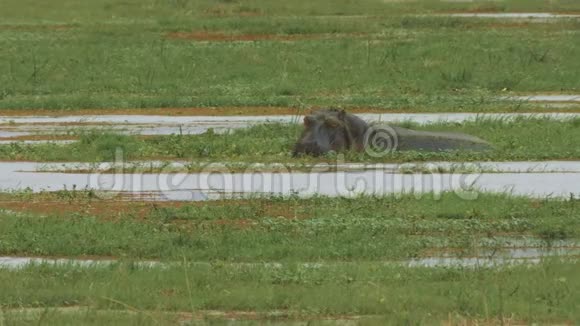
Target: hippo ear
x,y
341,115
332,123
308,121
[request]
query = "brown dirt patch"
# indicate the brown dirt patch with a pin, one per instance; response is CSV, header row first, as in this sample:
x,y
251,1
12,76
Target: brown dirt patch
x,y
281,210
62,124
228,11
34,28
39,137
239,223
218,111
131,206
461,321
481,9
110,210
224,37
49,137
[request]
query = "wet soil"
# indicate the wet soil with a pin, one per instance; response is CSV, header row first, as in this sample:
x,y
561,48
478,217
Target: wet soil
x,y
273,317
228,37
34,28
135,206
218,111
227,111
46,137
109,210
539,16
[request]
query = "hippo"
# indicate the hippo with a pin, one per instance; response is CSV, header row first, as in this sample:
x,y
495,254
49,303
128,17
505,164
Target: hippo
x,y
335,130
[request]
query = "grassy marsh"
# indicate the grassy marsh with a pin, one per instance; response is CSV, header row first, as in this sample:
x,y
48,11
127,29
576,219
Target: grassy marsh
x,y
179,54
545,293
521,139
81,56
280,229
135,10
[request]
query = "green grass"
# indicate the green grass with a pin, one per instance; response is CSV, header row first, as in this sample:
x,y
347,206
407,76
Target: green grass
x,y
114,11
117,55
86,317
74,55
33,11
289,229
521,139
546,293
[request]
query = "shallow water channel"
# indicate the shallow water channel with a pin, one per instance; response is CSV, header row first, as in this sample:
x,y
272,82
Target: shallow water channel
x,y
545,98
504,256
18,126
543,179
534,16
557,179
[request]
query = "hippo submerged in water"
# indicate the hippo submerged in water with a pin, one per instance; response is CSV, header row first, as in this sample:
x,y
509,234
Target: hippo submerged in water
x,y
335,130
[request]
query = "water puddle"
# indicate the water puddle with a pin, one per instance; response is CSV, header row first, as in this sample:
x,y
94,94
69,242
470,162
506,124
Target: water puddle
x,y
545,98
221,181
230,120
20,262
18,126
533,16
36,142
506,256
184,166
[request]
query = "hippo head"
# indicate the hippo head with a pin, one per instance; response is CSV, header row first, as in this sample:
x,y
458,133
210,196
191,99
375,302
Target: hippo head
x,y
327,130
